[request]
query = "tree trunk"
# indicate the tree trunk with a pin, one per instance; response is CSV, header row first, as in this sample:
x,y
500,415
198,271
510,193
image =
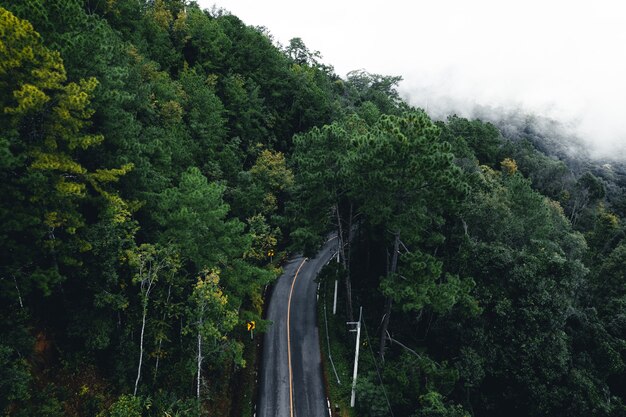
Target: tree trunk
x,y
348,252
340,236
19,294
345,264
200,322
151,275
143,327
199,364
388,301
350,237
158,356
349,297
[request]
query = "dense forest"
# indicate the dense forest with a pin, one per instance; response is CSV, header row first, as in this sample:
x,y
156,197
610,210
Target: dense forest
x,y
158,162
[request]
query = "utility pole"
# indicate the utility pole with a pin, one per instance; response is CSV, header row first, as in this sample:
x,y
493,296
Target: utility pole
x,y
335,297
356,354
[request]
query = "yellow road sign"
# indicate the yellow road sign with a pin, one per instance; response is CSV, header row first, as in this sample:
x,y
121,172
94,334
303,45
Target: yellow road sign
x,y
251,325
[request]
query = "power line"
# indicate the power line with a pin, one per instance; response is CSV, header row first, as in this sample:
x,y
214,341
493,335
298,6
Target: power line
x,y
330,356
380,380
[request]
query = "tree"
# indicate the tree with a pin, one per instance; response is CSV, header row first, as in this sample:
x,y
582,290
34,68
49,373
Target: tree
x,y
150,263
205,120
588,192
432,405
125,406
263,186
526,262
405,178
15,377
325,189
212,319
207,46
264,239
482,138
46,139
193,219
362,87
56,194
300,54
609,288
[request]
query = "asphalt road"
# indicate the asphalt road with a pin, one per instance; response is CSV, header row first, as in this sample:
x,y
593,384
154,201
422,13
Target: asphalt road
x,y
290,383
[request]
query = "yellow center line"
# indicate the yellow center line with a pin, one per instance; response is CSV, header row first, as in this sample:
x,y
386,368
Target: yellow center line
x,y
289,339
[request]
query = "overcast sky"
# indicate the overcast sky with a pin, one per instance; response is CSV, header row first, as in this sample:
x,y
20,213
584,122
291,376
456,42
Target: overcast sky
x,y
564,59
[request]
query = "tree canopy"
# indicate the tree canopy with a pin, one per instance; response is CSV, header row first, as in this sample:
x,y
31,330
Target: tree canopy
x,y
159,161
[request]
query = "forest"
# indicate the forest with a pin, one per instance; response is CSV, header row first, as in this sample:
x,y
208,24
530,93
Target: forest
x,y
159,162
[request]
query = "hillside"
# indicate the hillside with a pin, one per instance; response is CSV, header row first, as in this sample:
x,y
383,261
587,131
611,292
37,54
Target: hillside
x,y
158,164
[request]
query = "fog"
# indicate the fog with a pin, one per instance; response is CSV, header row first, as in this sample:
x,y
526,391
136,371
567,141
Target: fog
x,y
563,60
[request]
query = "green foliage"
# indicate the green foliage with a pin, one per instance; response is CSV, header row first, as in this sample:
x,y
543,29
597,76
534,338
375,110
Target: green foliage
x,y
405,171
364,89
428,286
154,157
14,378
118,94
48,120
473,138
526,261
433,405
264,239
193,214
203,114
265,185
125,406
213,318
408,180
323,176
609,286
371,400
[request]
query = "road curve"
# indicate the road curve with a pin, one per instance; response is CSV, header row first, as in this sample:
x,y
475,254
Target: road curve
x,y
294,295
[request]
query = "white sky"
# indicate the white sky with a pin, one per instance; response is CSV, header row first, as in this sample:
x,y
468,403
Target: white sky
x,y
564,59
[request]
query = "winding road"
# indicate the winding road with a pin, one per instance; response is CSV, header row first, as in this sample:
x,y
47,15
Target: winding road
x,y
291,383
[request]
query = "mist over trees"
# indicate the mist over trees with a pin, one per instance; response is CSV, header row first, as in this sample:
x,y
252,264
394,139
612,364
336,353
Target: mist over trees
x,y
159,161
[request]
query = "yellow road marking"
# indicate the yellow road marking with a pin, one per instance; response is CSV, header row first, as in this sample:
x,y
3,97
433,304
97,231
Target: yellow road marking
x,y
289,339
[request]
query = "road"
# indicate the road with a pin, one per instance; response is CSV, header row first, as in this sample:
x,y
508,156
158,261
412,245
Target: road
x,y
291,383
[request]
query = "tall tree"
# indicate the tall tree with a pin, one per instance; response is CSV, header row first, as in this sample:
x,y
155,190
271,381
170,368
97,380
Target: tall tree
x,y
405,178
47,138
212,319
150,263
325,189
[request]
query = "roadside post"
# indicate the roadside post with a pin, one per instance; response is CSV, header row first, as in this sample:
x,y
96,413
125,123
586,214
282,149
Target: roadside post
x,y
356,354
251,325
